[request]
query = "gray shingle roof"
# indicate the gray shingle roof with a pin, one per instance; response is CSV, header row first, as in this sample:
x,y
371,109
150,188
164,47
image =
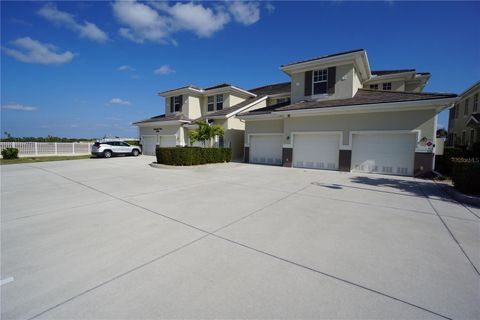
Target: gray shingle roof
x,y
322,57
163,117
234,108
362,97
384,72
272,89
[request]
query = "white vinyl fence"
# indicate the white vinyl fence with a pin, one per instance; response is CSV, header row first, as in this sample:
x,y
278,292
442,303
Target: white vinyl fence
x,y
48,148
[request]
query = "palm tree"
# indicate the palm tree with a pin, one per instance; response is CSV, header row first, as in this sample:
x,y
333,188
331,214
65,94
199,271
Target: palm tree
x,y
205,132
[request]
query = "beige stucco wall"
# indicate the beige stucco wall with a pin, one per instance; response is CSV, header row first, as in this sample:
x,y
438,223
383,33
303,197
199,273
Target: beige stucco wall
x,y
423,120
193,108
458,125
233,100
166,130
262,126
344,85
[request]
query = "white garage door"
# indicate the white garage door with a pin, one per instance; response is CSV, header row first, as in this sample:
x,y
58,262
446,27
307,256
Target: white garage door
x,y
384,153
148,145
168,141
266,149
316,150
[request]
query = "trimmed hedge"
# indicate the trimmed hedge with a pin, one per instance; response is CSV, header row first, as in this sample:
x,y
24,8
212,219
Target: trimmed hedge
x,y
466,175
189,156
10,153
443,163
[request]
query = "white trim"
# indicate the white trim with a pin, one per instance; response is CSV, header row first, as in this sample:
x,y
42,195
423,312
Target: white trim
x,y
166,123
362,108
249,135
351,133
246,107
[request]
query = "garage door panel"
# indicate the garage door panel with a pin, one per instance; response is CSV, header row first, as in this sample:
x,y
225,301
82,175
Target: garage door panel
x,y
384,153
149,144
266,149
316,151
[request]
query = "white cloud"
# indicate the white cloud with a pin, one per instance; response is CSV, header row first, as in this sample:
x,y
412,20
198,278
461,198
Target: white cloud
x,y
118,102
126,68
244,12
86,30
33,51
163,70
157,21
18,107
269,7
204,22
142,22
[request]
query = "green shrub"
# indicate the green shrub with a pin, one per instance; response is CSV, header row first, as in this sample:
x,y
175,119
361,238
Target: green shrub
x,y
10,153
443,163
466,175
188,156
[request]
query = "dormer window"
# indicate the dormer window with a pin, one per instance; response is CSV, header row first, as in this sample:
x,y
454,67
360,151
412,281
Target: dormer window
x,y
210,103
374,86
387,86
219,98
176,103
319,83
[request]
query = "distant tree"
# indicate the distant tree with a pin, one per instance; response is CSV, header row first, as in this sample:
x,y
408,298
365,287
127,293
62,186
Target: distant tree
x,y
442,133
205,133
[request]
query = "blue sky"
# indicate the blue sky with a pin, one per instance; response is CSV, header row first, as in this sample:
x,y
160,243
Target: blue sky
x,y
86,69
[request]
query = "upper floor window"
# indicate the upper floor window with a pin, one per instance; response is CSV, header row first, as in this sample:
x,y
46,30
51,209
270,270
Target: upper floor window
x,y
177,103
219,98
374,86
465,110
210,103
320,79
475,102
387,86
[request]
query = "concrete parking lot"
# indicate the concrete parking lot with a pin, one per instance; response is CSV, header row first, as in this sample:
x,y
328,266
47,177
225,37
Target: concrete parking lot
x,y
116,238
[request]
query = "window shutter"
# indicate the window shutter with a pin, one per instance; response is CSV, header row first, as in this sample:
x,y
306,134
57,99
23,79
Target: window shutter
x,y
331,80
172,103
181,102
308,83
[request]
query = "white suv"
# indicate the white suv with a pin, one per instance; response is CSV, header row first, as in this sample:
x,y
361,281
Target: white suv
x,y
109,148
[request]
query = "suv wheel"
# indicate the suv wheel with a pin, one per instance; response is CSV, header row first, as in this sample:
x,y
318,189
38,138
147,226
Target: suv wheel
x,y
107,154
135,152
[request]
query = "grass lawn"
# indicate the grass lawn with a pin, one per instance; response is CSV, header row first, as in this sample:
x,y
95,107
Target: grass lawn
x,y
43,159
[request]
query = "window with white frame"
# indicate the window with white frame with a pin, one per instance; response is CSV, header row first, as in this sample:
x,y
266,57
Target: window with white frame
x,y
374,86
210,103
177,103
219,98
472,136
475,102
465,110
463,138
319,83
387,86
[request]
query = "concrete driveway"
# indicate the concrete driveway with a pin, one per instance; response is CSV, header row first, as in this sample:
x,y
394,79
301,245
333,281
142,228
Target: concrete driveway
x,y
115,238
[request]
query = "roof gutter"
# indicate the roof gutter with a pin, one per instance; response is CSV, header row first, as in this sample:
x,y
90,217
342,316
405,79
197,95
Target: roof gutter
x,y
439,104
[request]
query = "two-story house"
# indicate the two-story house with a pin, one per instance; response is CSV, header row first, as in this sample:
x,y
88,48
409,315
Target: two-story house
x,y
342,116
217,105
464,119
